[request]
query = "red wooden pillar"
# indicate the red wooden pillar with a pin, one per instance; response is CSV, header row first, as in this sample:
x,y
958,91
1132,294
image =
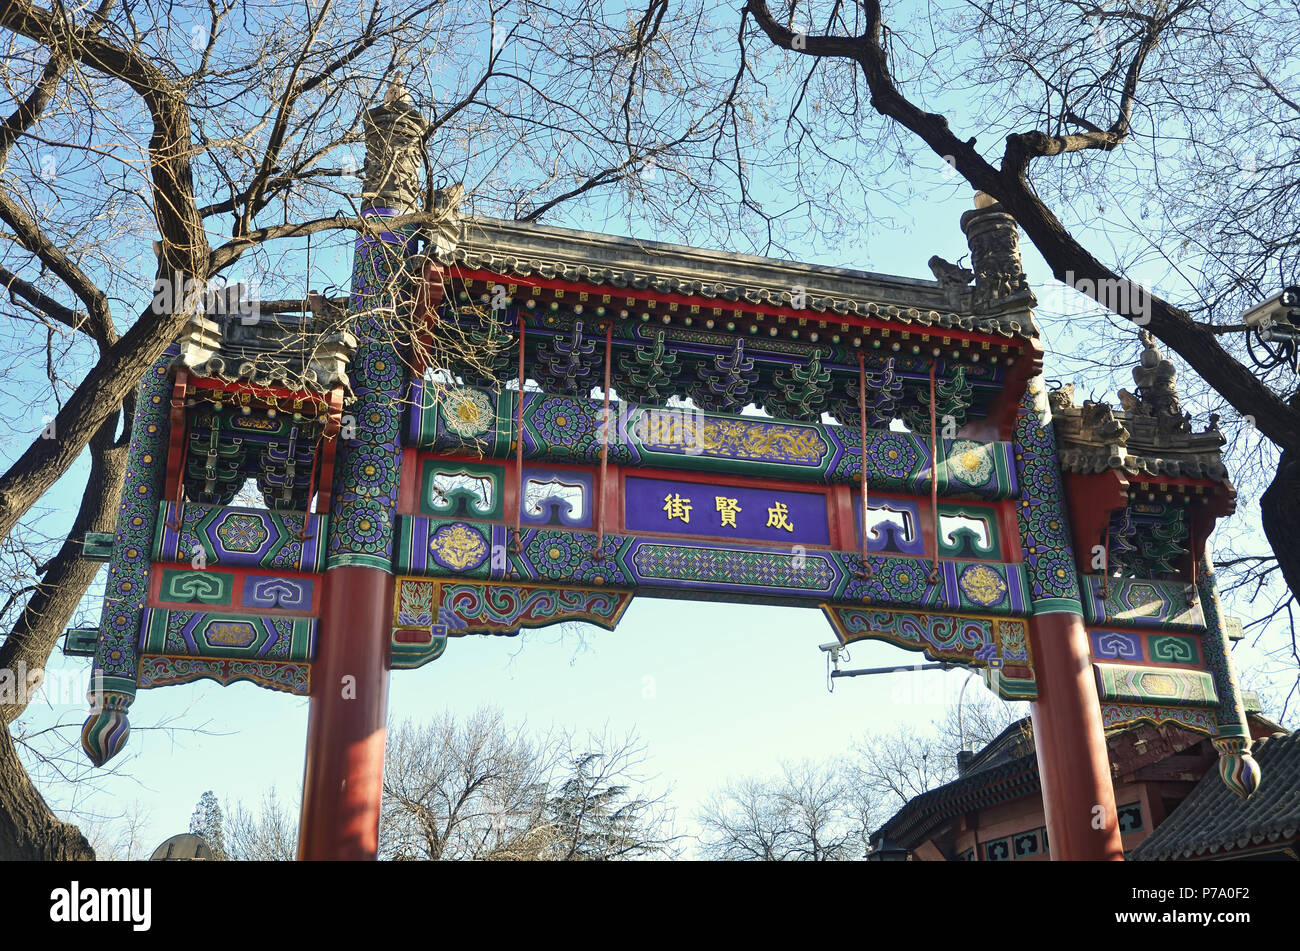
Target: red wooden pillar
x,y
343,778
344,774
1073,765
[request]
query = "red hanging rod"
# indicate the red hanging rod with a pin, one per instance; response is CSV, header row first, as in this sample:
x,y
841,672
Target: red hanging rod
x,y
604,450
1104,589
934,476
518,545
865,570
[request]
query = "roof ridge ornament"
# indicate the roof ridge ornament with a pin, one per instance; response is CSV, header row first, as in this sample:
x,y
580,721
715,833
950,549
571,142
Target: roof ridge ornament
x,y
1157,390
1150,434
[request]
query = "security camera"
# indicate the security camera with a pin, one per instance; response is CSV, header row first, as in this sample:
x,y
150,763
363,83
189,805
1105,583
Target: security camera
x,y
1276,318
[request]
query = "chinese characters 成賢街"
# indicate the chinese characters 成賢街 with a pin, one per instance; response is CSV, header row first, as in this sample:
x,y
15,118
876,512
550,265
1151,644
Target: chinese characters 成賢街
x,y
677,506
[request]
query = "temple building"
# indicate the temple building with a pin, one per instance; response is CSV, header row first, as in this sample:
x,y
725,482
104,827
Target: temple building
x,y
1170,801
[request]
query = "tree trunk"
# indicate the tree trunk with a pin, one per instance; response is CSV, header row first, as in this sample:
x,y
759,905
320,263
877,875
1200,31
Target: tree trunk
x,y
67,575
28,829
1279,508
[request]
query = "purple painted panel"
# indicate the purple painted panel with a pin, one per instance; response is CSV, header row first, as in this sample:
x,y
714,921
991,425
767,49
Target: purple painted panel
x,y
783,516
895,525
288,594
1113,645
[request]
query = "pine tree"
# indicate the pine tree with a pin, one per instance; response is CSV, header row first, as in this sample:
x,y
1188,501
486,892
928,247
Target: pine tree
x,y
594,821
206,823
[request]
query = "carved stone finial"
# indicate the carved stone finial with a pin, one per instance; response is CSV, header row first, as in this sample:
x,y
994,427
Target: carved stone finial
x,y
1099,419
444,235
994,241
947,273
1152,434
1060,400
394,151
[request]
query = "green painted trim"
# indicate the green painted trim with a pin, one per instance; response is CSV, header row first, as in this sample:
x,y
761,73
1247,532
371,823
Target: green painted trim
x,y
1174,648
360,561
157,634
413,656
1168,611
1008,688
1232,729
988,516
1163,686
219,585
80,641
97,546
1058,606
119,685
154,636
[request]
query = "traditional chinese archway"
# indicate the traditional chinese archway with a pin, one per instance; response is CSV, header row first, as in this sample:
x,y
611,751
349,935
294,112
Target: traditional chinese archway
x,y
1072,574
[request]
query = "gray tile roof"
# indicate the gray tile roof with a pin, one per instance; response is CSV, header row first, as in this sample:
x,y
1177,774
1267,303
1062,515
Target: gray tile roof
x,y
528,250
1213,819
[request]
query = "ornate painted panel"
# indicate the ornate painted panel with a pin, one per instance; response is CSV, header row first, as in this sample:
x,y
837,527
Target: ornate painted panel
x,y
895,526
567,429
1155,685
1126,714
116,663
1117,645
364,502
426,612
558,497
783,516
450,488
969,531
1138,646
1174,649
1040,511
446,546
720,571
1134,602
239,590
166,671
998,645
229,536
218,634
